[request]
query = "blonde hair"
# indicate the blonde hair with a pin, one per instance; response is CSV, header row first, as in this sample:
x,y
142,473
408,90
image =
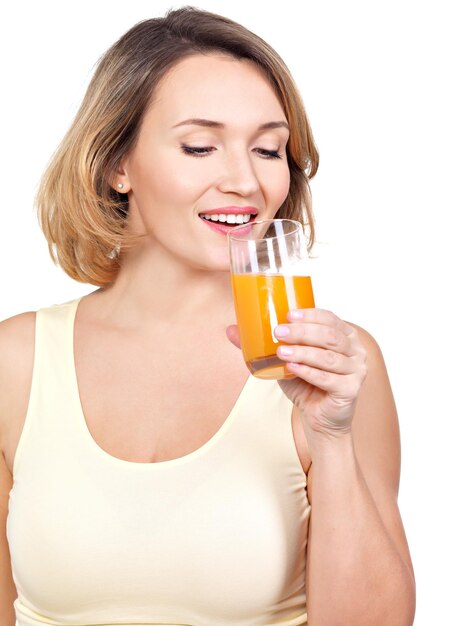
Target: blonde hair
x,y
81,215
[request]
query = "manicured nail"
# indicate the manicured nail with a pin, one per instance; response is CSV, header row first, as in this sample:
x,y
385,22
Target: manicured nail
x,y
285,350
295,315
282,331
293,365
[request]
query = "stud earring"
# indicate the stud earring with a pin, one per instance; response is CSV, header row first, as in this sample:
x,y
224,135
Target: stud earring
x,y
120,185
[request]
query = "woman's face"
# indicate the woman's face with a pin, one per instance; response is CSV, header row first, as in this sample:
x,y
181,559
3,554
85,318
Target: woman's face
x,y
213,140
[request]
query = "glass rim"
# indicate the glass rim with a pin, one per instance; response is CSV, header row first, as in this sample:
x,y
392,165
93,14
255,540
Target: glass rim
x,y
271,221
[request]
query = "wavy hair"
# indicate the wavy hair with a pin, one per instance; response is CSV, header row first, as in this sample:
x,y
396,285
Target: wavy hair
x,y
81,215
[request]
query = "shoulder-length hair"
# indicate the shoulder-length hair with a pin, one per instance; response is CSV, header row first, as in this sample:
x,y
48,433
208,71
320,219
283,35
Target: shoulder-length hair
x,y
81,215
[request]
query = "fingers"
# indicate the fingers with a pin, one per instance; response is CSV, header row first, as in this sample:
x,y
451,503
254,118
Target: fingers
x,y
319,328
327,360
343,386
319,316
323,350
233,334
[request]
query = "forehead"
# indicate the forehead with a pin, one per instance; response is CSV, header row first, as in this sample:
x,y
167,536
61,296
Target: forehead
x,y
218,87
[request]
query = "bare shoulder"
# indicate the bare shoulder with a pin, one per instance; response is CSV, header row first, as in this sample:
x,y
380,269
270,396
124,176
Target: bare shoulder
x,y
17,326
16,366
16,340
377,377
367,340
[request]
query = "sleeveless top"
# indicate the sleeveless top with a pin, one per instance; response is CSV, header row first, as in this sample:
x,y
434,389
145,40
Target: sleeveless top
x,y
217,537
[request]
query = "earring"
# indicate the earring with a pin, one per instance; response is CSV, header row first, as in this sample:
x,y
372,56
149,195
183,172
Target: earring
x,y
114,253
120,185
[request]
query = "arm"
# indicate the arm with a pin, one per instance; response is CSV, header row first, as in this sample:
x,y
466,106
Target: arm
x,y
359,570
16,363
7,586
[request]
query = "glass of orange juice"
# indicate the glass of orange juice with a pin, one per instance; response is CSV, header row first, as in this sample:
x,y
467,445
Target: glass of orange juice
x,y
270,271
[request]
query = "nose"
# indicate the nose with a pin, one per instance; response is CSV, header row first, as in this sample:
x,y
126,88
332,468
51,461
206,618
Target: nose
x,y
238,176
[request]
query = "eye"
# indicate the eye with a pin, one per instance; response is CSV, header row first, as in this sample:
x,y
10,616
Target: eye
x,y
202,151
269,154
196,150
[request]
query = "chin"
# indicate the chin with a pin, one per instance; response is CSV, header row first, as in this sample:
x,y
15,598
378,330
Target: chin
x,y
217,261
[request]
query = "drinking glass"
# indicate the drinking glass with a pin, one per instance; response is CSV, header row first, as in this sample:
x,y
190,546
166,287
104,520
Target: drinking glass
x,y
270,271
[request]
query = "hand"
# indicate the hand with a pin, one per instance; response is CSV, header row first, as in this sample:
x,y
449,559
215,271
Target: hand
x,y
330,366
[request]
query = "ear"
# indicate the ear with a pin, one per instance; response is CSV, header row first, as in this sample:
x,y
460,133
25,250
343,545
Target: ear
x,y
119,181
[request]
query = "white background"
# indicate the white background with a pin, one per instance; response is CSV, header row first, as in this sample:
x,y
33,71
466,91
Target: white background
x,y
386,89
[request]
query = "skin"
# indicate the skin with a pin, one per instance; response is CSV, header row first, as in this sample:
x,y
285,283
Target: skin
x,y
359,570
356,539
236,171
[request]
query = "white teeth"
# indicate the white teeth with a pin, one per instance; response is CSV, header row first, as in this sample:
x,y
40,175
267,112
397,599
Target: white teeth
x,y
230,219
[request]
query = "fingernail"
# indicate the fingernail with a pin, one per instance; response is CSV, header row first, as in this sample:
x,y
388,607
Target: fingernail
x,y
295,315
293,365
285,351
282,331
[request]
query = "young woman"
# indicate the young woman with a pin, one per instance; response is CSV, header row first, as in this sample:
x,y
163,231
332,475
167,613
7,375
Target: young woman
x,y
146,476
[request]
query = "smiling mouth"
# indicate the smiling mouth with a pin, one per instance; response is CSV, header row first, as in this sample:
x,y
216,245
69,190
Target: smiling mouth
x,y
229,220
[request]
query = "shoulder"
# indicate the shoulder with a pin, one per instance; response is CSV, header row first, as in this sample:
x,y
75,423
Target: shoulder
x,y
376,368
377,382
376,386
16,338
16,365
367,340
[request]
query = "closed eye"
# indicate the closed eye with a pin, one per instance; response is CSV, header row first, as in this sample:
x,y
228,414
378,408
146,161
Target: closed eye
x,y
270,154
198,151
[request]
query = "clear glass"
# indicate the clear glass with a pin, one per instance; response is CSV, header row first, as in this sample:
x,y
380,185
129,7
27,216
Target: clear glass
x,y
270,271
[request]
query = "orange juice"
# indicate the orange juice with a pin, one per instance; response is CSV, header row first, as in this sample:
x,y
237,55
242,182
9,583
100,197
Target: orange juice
x,y
262,301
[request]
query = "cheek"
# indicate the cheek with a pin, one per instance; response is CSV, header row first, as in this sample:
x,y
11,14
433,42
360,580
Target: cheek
x,y
160,182
282,187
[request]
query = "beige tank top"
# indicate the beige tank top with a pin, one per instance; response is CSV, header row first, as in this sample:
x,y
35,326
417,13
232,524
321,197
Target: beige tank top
x,y
217,537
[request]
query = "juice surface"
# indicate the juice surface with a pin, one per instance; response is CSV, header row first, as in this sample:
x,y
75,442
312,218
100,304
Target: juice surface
x,y
262,302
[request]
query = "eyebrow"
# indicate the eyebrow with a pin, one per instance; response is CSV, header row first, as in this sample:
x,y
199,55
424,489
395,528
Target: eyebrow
x,y
211,124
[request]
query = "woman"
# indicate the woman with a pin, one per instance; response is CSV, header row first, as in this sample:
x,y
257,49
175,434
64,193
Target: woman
x,y
147,477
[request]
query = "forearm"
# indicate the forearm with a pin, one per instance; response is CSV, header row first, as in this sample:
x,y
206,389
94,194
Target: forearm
x,y
357,576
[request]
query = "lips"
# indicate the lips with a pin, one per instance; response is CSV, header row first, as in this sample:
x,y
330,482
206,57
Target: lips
x,y
232,210
222,228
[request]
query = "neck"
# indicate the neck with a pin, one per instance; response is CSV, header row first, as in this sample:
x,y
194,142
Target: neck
x,y
154,287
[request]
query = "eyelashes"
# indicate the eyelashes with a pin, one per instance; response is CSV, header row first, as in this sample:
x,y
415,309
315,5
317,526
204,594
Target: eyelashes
x,y
196,151
205,151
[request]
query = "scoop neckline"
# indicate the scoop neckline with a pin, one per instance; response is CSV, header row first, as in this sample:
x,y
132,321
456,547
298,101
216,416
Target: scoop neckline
x,y
88,437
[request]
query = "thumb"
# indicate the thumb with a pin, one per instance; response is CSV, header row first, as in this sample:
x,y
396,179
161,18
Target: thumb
x,y
233,334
